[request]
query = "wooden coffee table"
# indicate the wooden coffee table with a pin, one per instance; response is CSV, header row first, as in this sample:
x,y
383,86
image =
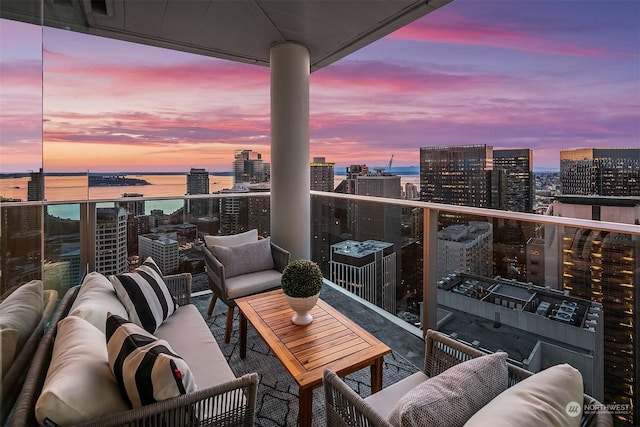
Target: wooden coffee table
x,y
330,341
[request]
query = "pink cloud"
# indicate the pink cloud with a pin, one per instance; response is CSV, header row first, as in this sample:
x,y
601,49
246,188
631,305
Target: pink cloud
x,y
451,28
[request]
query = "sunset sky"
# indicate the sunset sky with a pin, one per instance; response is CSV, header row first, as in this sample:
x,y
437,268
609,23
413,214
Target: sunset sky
x,y
544,74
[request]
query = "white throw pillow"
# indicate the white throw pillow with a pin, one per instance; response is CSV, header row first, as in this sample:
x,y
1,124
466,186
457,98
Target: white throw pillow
x,y
547,398
232,239
146,367
20,314
145,295
95,299
453,396
79,385
245,258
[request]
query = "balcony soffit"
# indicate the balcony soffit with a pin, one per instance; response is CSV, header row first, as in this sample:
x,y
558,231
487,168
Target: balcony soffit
x,y
239,30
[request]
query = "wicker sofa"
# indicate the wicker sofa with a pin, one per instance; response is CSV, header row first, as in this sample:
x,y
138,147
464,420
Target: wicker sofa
x,y
221,399
344,407
12,379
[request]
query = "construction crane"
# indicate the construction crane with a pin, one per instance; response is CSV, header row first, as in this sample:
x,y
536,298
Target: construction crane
x,y
389,166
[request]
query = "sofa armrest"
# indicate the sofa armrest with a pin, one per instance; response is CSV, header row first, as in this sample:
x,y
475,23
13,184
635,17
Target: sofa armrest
x,y
596,417
344,407
230,403
179,286
23,412
280,257
215,273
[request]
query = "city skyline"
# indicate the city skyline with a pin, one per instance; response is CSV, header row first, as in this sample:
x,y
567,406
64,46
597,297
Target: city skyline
x,y
541,75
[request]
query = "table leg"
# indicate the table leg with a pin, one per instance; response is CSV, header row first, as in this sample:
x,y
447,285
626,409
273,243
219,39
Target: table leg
x,y
376,375
305,407
243,336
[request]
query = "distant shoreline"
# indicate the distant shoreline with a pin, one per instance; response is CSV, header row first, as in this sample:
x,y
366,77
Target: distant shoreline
x,y
98,174
407,171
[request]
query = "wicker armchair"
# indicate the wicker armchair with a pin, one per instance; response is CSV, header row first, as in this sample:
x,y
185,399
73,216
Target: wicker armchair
x,y
344,407
229,404
228,289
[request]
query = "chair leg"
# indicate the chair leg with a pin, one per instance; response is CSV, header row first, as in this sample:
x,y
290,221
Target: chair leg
x,y
227,332
212,304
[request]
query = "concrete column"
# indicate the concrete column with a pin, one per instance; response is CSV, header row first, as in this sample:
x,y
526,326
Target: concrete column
x,y
290,175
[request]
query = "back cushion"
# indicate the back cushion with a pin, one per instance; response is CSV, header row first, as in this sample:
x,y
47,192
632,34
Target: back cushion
x,y
144,295
20,314
552,397
452,397
233,239
245,258
147,368
79,385
95,299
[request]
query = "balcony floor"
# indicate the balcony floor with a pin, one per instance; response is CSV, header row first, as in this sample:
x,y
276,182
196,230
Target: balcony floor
x,y
277,392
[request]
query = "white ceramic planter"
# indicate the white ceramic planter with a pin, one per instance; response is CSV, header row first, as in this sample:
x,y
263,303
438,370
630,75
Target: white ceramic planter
x,y
302,306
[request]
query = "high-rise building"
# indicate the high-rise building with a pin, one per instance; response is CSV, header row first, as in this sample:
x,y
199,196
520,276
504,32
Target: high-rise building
x,y
538,327
366,269
456,175
377,221
198,183
111,241
466,249
324,229
248,167
35,186
234,211
133,207
605,267
600,171
162,248
21,243
322,175
518,167
411,191
363,220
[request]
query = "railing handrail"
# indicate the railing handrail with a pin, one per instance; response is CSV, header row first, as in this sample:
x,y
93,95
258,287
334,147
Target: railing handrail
x,y
615,227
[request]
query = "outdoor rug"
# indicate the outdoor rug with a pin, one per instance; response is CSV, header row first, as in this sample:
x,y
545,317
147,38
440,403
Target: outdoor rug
x,y
277,403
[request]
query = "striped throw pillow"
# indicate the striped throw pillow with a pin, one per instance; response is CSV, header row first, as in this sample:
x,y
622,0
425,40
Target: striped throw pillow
x,y
145,295
146,368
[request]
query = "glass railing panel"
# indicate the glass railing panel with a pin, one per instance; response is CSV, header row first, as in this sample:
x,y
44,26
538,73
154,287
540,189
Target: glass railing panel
x,y
545,289
127,230
62,262
372,249
21,243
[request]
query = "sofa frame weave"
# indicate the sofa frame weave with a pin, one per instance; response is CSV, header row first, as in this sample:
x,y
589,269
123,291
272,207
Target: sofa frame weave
x,y
234,401
345,408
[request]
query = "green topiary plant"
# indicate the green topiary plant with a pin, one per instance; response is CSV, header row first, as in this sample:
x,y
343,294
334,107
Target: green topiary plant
x,y
301,278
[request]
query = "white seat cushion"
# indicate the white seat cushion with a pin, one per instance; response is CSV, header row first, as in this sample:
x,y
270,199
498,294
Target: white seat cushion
x,y
252,283
197,347
385,400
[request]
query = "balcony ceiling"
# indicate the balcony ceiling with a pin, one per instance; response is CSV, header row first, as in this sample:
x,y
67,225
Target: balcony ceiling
x,y
239,30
